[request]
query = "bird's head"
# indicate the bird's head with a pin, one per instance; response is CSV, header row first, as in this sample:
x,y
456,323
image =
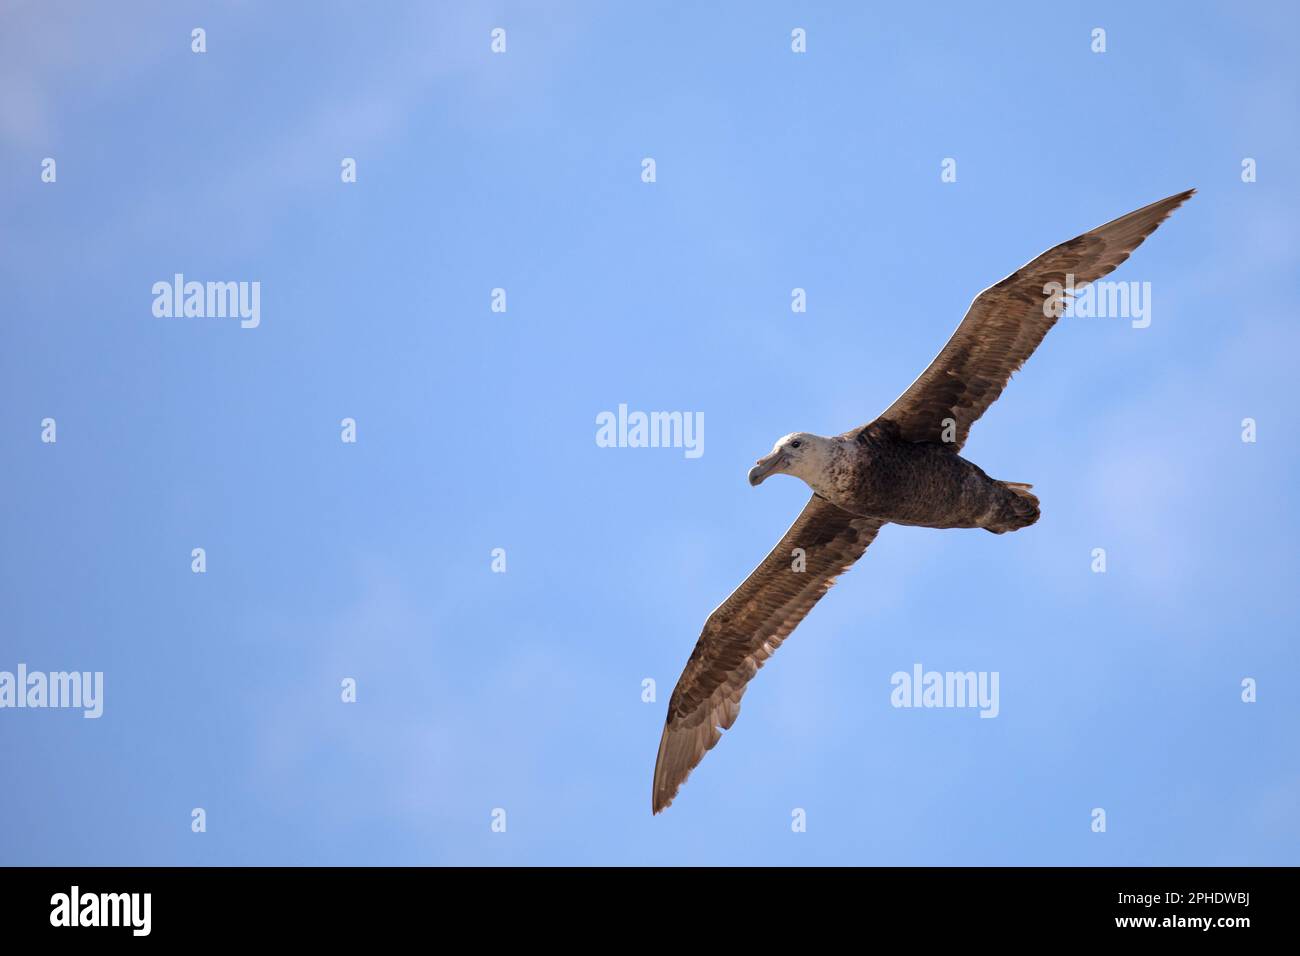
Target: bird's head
x,y
800,454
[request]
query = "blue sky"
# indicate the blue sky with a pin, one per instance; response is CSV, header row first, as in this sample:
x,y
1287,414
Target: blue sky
x,y
476,430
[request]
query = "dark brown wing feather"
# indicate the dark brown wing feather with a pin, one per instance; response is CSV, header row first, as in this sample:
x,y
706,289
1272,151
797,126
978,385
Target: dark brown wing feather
x,y
1006,322
746,628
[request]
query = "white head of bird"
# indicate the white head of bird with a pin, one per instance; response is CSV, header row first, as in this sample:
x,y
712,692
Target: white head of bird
x,y
801,454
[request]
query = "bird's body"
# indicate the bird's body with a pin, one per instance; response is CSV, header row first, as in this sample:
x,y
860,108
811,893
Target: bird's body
x,y
874,473
903,468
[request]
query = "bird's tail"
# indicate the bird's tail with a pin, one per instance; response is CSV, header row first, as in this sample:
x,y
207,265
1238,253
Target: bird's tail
x,y
1019,509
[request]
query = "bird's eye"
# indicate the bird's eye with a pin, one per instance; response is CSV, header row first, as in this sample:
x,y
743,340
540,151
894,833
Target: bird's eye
x,y
795,444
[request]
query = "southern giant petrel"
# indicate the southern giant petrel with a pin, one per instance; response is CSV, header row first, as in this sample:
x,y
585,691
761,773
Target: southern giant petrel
x,y
904,468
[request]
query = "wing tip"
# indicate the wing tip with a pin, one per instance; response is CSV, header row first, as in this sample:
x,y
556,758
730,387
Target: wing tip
x,y
674,764
1170,203
1161,210
661,794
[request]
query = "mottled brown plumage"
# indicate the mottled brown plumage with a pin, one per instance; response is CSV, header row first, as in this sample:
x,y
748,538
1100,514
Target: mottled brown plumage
x,y
901,468
1006,322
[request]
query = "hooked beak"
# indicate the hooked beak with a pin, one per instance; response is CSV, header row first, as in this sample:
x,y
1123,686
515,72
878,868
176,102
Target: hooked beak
x,y
767,466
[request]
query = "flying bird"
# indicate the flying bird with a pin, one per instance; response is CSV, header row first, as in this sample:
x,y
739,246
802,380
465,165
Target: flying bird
x,y
903,468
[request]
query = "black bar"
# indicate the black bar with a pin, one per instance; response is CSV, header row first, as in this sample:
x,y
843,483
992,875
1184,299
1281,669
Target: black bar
x,y
334,904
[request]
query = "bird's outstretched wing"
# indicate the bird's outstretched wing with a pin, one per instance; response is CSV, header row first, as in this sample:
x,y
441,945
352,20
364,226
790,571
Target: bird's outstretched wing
x,y
741,634
1006,322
